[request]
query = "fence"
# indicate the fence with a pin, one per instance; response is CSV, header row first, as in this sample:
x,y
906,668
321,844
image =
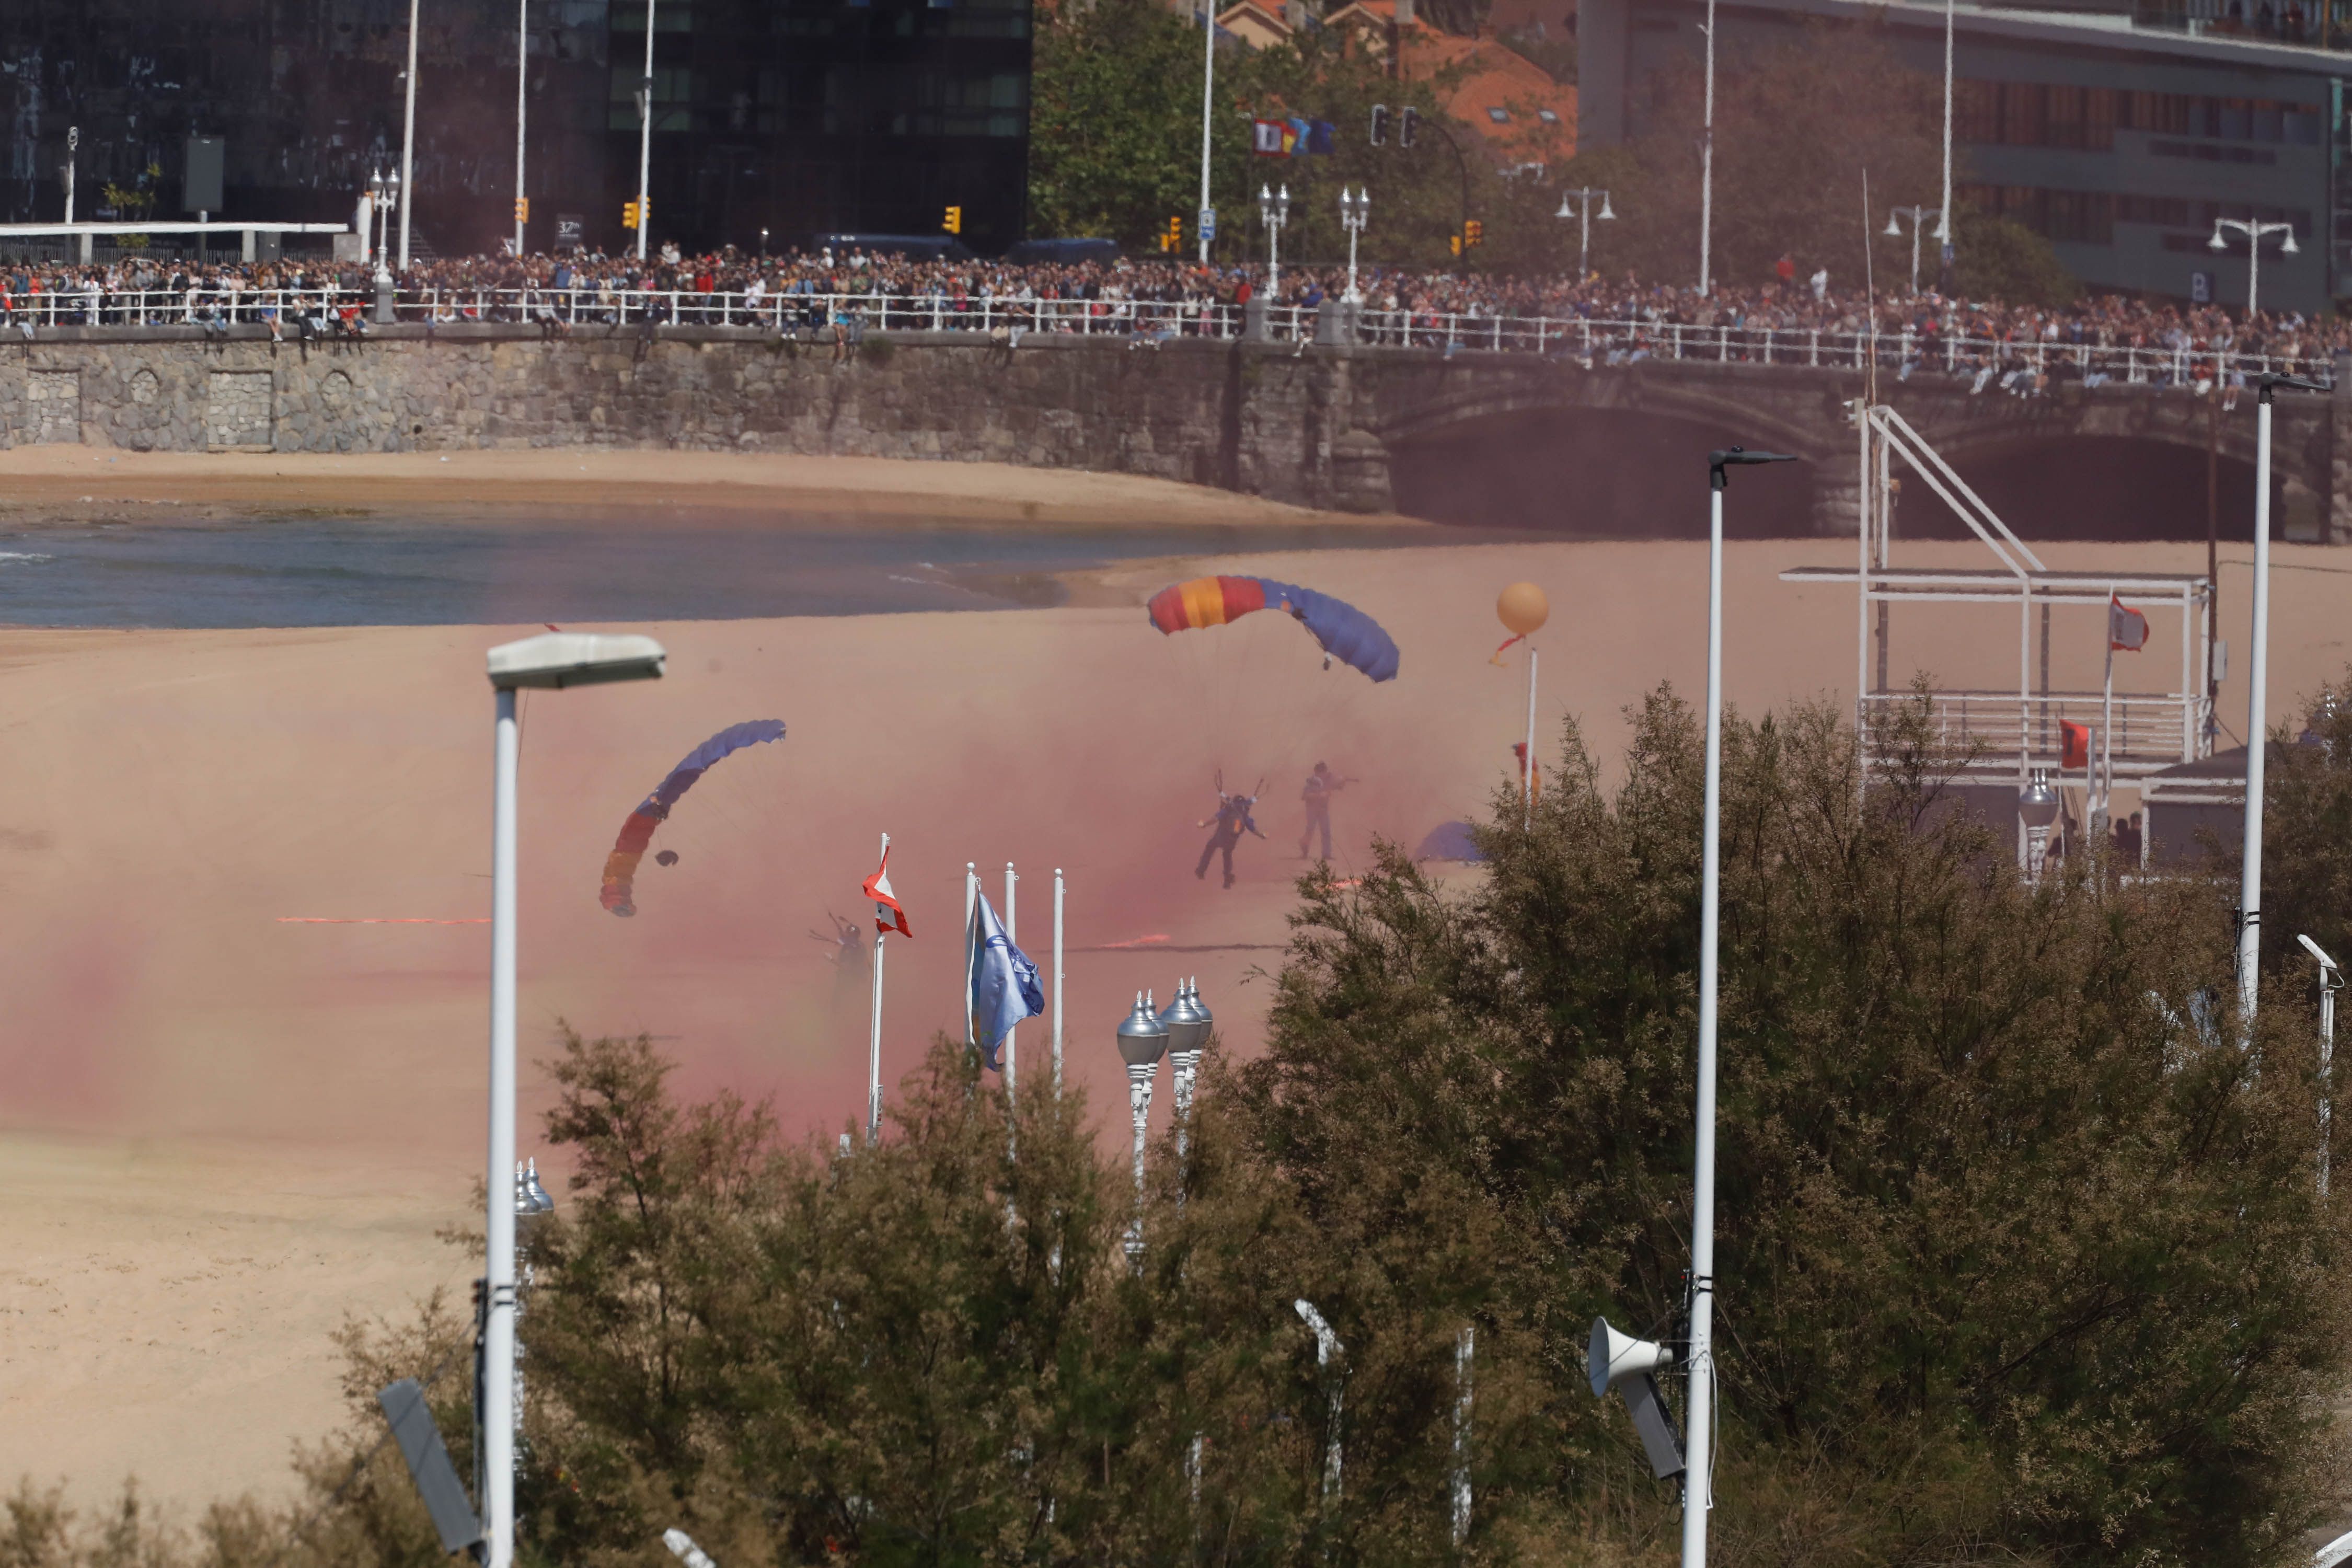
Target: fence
x,y
2151,732
2021,364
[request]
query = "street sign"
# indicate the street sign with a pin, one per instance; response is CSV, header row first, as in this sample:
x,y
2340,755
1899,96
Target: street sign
x,y
1208,223
570,227
2200,288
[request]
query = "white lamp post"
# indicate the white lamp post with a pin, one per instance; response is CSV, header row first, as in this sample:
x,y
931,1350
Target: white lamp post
x,y
408,137
2250,886
646,137
522,100
1207,216
1355,211
1189,1027
1943,213
73,145
1331,1359
1697,1496
1707,165
2331,981
2037,809
550,661
2255,233
1274,211
1919,215
1142,1041
1585,239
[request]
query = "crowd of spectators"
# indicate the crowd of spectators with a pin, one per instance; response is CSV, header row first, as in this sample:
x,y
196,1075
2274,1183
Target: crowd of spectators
x,y
838,295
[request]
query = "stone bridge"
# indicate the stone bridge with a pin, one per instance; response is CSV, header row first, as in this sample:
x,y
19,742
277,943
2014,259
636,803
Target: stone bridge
x,y
1475,436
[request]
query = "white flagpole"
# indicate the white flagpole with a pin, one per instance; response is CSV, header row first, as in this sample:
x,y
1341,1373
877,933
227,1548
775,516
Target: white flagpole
x,y
2107,729
1530,782
971,906
1012,934
1057,983
874,1037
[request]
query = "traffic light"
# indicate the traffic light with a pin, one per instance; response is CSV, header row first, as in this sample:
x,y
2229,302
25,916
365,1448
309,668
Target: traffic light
x,y
1379,124
1473,233
1173,240
522,209
1455,241
628,215
1406,121
953,222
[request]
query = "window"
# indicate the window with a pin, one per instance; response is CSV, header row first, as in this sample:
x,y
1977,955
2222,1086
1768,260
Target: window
x,y
1547,116
1500,116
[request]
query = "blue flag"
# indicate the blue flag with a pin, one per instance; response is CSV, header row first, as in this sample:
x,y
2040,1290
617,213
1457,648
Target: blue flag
x,y
1318,139
1004,988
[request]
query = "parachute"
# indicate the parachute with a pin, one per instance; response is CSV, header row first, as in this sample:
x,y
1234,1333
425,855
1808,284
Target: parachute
x,y
1345,632
637,832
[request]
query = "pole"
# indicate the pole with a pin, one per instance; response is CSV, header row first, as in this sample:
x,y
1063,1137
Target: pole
x,y
1707,163
2253,285
408,140
2100,818
522,81
2330,982
1527,784
1698,1483
1944,214
971,902
874,1036
2250,892
1464,1344
498,1230
1057,983
1012,934
73,143
646,152
1208,97
1916,216
1584,243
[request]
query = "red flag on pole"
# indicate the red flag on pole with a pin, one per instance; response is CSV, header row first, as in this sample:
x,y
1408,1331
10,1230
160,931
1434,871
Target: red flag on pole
x,y
2075,747
888,915
2127,628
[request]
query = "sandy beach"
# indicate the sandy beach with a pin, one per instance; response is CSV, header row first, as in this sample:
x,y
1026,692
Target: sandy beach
x,y
228,1118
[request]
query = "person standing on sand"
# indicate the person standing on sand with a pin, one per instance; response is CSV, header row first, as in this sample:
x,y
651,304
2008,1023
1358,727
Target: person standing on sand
x,y
1317,795
1233,819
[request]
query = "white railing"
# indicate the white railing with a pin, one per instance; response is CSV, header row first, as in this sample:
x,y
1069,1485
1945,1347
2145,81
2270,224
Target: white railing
x,y
2023,366
2151,730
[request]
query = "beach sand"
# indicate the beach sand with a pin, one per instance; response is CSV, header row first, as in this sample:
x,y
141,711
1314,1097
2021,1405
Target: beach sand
x,y
224,1131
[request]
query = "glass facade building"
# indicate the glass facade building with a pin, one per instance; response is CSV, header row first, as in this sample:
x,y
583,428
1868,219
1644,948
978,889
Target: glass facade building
x,y
780,115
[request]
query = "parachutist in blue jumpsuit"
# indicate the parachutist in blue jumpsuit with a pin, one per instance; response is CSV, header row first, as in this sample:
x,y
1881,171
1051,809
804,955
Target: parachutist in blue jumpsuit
x,y
1233,819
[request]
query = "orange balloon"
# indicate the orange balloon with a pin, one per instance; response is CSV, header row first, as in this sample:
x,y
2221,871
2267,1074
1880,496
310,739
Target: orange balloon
x,y
1522,608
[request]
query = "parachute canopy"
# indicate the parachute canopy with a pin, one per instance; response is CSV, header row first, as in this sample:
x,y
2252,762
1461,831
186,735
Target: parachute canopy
x,y
1345,632
621,865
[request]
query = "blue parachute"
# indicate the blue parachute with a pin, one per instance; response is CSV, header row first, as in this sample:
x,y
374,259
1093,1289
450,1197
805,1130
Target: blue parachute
x,y
619,890
1345,632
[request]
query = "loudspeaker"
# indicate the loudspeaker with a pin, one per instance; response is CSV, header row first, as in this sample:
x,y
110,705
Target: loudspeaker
x,y
1611,1357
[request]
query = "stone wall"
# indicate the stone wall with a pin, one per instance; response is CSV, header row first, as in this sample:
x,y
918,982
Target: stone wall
x,y
1317,425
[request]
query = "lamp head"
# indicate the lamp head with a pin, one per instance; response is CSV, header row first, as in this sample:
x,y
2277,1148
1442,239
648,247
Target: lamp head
x,y
1892,230
2216,242
1724,457
1142,1038
2037,802
2290,247
557,660
1606,216
2313,949
1563,209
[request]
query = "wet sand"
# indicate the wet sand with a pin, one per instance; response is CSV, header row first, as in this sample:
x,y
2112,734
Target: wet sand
x,y
224,1131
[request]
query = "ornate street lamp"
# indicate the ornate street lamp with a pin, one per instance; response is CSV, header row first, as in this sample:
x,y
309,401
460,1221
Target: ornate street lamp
x,y
1189,1026
1142,1041
1583,214
1355,211
1274,211
2037,808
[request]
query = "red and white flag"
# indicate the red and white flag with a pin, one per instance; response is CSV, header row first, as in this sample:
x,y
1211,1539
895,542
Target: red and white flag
x,y
2073,744
888,915
2127,628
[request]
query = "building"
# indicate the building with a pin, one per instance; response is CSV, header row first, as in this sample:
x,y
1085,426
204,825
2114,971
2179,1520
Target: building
x,y
791,117
1520,113
2118,134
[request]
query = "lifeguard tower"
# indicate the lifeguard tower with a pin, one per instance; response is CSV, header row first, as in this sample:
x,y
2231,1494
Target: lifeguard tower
x,y
2001,736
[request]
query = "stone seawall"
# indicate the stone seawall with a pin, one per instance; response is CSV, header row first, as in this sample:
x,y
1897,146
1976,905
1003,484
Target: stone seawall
x,y
1244,417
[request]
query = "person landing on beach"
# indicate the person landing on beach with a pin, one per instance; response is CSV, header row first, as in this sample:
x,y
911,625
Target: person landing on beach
x,y
1317,795
1233,819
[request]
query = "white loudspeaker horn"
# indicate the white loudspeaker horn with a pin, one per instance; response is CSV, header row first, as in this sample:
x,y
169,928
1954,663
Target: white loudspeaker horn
x,y
1611,1357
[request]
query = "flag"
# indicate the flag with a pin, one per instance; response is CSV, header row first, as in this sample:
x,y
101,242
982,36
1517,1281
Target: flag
x,y
1496,659
2075,744
1004,988
2127,628
1294,138
1265,137
888,915
1318,139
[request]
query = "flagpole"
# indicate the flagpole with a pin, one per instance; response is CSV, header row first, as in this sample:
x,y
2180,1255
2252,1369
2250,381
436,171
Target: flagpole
x,y
1530,781
1057,983
874,1036
2107,727
1013,935
970,899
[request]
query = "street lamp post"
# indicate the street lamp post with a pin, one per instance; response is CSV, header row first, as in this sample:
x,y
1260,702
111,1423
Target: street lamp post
x,y
2255,232
522,97
1707,165
1585,239
1142,1041
1697,1487
1274,211
1895,231
530,1201
1355,211
2331,981
2037,809
2250,886
408,137
550,661
1189,1026
1207,218
73,145
645,137
1943,213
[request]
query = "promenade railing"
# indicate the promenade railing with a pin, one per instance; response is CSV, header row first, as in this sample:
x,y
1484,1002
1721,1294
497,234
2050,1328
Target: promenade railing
x,y
2015,361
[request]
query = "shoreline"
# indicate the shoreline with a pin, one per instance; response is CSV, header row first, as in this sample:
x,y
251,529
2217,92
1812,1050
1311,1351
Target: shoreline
x,y
619,485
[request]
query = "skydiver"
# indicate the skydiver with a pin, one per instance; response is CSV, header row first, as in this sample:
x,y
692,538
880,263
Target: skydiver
x,y
1319,788
1233,819
848,948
